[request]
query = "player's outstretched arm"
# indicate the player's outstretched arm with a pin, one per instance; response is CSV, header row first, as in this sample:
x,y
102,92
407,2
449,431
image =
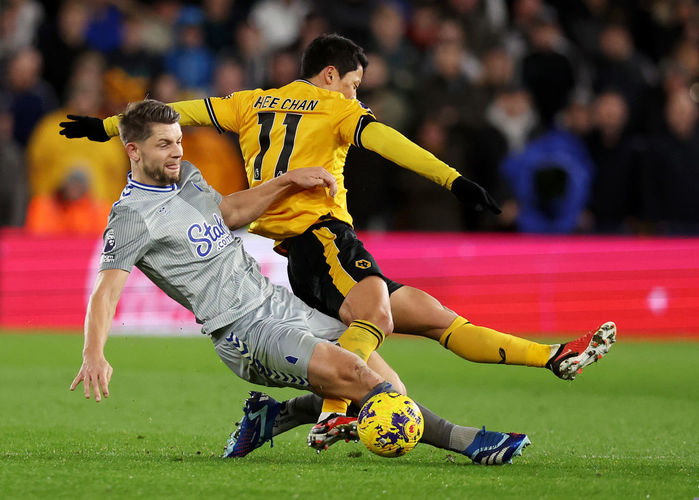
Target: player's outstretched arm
x,y
241,208
96,372
394,146
193,112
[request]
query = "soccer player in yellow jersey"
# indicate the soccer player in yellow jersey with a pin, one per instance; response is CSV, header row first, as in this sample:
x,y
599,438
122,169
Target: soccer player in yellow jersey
x,y
312,122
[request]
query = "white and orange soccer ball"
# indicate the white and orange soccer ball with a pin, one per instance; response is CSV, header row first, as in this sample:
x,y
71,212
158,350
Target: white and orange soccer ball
x,y
390,424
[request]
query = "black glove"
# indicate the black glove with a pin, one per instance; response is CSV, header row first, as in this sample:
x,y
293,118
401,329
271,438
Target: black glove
x,y
474,196
84,126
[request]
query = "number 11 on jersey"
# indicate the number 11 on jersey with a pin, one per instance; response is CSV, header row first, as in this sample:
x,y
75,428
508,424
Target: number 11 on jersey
x,y
266,121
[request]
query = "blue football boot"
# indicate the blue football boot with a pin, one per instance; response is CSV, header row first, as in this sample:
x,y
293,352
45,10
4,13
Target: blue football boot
x,y
496,448
255,429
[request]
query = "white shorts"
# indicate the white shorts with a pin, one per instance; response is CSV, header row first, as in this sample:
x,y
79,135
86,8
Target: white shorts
x,y
273,344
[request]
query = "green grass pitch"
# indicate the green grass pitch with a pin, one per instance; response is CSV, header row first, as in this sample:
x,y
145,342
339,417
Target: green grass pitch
x,y
627,428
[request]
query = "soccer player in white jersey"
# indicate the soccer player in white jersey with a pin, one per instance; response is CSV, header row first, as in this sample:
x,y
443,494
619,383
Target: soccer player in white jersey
x,y
174,227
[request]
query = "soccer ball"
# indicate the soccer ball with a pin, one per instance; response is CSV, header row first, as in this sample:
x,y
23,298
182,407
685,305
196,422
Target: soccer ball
x,y
390,424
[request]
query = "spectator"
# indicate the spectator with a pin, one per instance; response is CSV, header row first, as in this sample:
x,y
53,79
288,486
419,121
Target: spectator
x,y
614,202
131,55
423,31
228,77
577,117
191,61
480,20
220,20
675,168
19,25
547,73
160,25
313,26
451,31
424,206
619,66
13,190
400,58
62,42
104,27
352,18
387,103
251,53
29,96
678,72
659,24
496,74
279,21
475,80
70,210
525,14
550,180
511,114
444,93
509,124
584,21
51,157
283,67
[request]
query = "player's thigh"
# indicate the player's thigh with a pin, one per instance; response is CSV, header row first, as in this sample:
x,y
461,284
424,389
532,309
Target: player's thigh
x,y
273,344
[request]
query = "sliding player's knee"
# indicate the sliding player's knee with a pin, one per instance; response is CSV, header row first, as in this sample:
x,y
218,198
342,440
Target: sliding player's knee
x,y
351,371
334,368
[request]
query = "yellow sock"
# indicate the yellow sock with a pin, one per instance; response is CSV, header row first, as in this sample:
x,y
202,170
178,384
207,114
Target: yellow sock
x,y
485,345
361,338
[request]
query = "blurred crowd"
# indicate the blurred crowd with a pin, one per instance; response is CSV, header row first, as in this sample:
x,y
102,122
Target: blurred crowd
x,y
579,116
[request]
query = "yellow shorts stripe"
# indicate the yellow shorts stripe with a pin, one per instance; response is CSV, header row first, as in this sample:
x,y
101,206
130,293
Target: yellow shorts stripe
x,y
341,278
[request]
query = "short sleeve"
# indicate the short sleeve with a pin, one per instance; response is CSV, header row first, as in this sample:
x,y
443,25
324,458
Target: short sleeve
x,y
352,116
125,240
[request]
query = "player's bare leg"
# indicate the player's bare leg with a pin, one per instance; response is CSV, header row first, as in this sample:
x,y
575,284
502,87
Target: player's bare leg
x,y
367,312
335,372
418,313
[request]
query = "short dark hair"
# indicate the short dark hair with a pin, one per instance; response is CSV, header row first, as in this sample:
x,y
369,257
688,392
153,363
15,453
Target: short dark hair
x,y
332,50
135,123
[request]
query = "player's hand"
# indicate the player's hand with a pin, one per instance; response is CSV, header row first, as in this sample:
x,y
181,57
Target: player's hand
x,y
84,126
312,177
474,196
95,374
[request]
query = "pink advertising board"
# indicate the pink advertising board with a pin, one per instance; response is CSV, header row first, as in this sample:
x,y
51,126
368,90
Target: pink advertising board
x,y
516,283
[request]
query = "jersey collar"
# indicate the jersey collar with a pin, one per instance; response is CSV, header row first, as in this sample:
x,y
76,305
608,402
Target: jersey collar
x,y
148,187
304,81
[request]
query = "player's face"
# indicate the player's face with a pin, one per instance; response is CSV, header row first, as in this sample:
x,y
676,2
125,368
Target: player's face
x,y
349,83
161,154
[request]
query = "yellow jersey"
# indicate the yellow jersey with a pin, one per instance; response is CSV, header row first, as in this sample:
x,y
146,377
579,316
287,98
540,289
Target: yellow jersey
x,y
302,125
297,125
